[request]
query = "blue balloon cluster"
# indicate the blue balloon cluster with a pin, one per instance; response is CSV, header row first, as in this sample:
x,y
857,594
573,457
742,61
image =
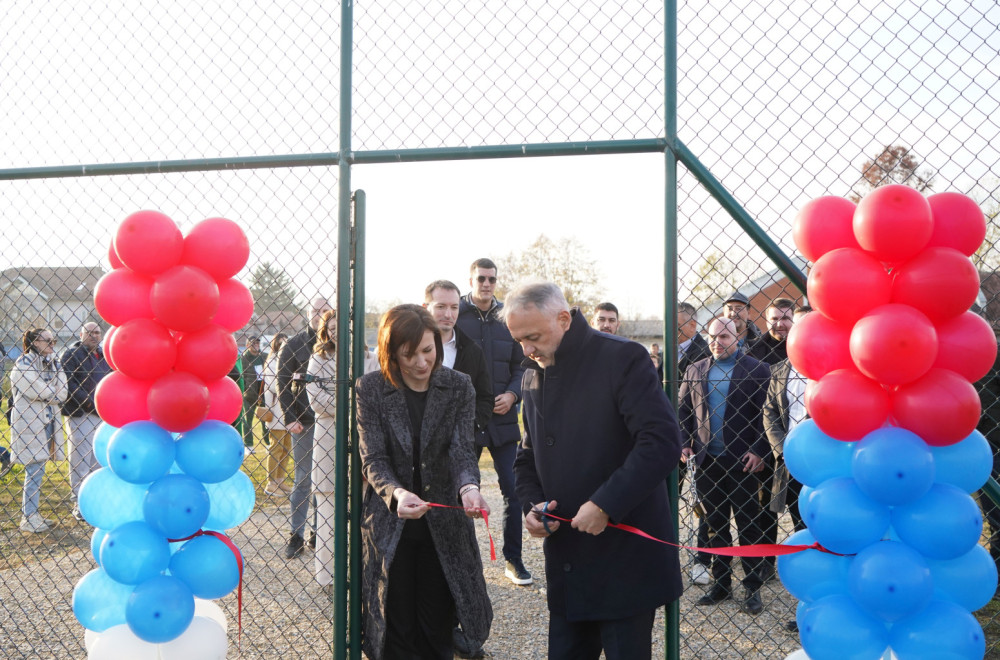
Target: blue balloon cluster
x,y
155,492
904,569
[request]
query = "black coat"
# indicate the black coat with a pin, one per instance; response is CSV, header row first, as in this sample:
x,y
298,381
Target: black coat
x,y
989,423
598,427
469,359
767,349
84,370
503,359
696,350
294,359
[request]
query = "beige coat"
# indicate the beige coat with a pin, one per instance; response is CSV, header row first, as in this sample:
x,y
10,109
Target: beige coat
x,y
39,389
323,400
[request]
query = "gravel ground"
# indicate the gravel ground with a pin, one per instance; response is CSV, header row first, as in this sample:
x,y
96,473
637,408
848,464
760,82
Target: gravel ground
x,y
286,615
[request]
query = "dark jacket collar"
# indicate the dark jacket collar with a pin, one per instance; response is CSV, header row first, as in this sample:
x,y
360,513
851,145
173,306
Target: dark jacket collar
x,y
576,337
495,307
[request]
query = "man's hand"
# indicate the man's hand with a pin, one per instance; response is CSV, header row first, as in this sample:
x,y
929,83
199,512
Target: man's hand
x,y
408,505
294,427
590,519
752,462
686,454
533,521
473,501
503,403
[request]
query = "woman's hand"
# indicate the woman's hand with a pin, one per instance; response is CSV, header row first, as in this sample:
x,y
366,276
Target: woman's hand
x,y
473,501
408,505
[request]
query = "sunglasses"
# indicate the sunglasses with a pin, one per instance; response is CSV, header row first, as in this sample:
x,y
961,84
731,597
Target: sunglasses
x,y
50,342
483,278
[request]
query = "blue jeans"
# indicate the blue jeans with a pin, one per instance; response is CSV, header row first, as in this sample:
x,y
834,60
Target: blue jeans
x,y
302,456
33,473
503,463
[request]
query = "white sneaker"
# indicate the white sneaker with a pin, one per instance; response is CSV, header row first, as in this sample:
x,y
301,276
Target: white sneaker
x,y
699,575
275,488
34,524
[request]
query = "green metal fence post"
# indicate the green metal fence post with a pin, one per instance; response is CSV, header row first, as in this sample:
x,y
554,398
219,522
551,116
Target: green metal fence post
x,y
358,330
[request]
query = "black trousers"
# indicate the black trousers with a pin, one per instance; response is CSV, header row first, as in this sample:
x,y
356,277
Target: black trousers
x,y
729,493
419,608
767,522
620,639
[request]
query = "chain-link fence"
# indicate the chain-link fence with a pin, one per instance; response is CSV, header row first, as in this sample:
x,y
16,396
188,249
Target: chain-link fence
x,y
183,105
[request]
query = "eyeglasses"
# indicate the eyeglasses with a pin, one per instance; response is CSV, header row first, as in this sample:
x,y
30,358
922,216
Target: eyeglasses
x,y
483,278
50,342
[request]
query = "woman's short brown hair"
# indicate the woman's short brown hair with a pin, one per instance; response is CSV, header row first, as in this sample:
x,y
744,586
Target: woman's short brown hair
x,y
403,327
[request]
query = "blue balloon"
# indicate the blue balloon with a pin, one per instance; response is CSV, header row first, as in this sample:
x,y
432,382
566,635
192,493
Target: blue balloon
x,y
101,440
99,602
835,628
844,519
176,505
160,609
890,581
107,501
95,543
134,552
940,630
893,466
232,502
211,452
813,457
207,566
141,452
811,574
943,524
805,495
965,465
970,581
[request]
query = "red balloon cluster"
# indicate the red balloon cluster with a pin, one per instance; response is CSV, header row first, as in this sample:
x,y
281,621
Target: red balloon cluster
x,y
173,305
894,342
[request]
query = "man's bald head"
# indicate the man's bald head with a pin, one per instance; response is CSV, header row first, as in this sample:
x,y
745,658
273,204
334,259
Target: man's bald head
x,y
722,338
90,335
317,307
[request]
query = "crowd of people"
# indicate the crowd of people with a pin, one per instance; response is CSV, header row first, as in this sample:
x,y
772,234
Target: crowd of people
x,y
579,429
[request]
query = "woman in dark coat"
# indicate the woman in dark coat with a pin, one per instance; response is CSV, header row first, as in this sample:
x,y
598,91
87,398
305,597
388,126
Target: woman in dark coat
x,y
422,568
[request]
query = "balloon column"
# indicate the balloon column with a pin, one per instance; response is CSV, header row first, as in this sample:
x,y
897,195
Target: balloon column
x,y
890,455
170,459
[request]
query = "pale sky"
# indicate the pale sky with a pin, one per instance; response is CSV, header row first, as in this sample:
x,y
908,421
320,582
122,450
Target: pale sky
x,y
783,102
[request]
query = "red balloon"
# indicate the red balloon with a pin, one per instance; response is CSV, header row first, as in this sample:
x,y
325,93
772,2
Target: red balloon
x,y
209,353
940,282
816,346
967,345
958,222
123,295
178,401
113,259
824,224
121,399
894,344
149,242
227,400
106,343
846,405
143,349
893,222
846,284
217,246
184,298
942,407
235,305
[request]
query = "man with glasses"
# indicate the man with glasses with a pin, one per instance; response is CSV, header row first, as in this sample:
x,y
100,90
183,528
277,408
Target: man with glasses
x,y
85,366
737,308
479,318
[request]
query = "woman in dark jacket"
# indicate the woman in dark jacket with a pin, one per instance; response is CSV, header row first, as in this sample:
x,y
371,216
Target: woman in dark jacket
x,y
422,568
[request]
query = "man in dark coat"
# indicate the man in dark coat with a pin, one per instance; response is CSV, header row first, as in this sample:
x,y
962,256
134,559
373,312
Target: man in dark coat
x,y
251,365
600,439
300,420
720,401
479,318
737,309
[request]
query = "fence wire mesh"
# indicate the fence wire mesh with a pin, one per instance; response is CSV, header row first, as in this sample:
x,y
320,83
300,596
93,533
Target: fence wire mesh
x,y
782,101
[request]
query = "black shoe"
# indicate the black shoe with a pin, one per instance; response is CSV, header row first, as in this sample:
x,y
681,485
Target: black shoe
x,y
294,547
792,626
752,603
715,595
462,647
312,540
517,573
767,572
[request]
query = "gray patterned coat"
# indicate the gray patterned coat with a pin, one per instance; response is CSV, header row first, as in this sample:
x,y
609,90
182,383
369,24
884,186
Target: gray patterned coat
x,y
448,461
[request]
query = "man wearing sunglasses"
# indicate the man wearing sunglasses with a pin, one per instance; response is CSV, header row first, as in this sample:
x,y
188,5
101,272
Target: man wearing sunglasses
x,y
479,318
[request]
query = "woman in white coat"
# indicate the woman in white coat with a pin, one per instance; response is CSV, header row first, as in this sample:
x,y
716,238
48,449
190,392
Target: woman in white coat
x,y
39,387
322,389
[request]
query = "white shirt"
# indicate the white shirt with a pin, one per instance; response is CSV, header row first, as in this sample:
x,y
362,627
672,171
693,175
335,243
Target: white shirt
x,y
450,351
795,389
683,347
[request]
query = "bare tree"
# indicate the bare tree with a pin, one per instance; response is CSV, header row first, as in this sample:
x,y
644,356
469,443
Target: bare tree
x,y
716,274
896,164
565,262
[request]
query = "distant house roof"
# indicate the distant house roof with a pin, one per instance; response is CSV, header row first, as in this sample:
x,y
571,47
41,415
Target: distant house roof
x,y
56,283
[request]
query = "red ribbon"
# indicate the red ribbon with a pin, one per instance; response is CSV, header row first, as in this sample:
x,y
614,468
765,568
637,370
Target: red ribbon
x,y
239,588
486,519
758,550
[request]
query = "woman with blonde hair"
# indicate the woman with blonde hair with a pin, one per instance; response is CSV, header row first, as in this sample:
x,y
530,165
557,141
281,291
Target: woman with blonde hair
x,y
321,386
422,569
39,386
